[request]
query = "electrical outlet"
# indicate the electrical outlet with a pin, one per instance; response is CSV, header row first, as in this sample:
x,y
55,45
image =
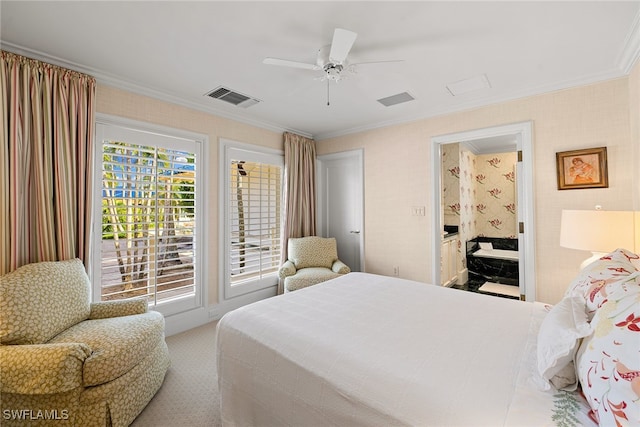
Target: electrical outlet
x,y
213,314
396,271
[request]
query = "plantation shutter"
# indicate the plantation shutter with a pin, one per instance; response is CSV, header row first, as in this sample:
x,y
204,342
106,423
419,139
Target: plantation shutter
x,y
254,220
148,242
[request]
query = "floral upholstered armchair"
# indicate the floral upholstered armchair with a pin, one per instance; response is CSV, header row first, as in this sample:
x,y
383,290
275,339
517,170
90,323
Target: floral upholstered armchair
x,y
65,361
311,260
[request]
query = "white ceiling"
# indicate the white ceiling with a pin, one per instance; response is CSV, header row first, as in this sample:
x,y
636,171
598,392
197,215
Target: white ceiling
x,y
178,51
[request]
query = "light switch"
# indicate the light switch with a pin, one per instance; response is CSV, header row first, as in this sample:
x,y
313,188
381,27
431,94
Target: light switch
x,y
418,210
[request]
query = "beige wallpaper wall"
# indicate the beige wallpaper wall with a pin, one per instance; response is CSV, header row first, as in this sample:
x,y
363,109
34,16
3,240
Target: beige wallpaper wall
x,y
634,114
120,103
588,116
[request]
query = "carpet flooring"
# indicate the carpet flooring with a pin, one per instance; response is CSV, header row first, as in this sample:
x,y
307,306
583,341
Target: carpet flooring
x,y
189,395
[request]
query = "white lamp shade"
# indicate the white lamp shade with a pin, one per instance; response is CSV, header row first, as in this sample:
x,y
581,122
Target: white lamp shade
x,y
637,230
597,230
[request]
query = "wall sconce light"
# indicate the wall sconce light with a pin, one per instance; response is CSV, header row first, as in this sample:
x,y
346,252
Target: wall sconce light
x,y
599,232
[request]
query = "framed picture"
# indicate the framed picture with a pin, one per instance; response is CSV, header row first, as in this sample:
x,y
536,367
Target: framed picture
x,y
582,169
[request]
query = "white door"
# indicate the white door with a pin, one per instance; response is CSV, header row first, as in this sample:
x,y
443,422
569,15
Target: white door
x,y
340,202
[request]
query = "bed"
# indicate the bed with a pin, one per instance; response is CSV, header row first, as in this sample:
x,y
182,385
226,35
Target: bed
x,y
370,350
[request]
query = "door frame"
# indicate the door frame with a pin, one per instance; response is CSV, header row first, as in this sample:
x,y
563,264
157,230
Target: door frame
x,y
321,161
523,132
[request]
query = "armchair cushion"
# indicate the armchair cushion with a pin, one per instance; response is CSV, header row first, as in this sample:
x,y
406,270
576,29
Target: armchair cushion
x,y
117,344
312,251
40,300
308,277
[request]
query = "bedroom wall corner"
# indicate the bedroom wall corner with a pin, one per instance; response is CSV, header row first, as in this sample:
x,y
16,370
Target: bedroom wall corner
x,y
117,102
634,117
396,178
581,117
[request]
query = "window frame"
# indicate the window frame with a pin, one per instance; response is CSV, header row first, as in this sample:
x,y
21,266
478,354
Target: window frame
x,y
113,128
230,150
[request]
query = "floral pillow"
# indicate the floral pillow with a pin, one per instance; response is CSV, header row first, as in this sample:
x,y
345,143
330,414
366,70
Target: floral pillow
x,y
597,280
635,260
608,361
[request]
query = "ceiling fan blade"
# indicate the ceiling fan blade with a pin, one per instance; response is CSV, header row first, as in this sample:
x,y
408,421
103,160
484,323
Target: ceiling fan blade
x,y
291,64
341,45
377,62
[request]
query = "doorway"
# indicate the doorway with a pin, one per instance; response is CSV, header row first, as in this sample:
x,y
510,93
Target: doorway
x,y
340,204
520,135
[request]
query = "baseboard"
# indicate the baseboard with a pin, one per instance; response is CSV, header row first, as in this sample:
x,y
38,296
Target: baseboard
x,y
180,322
176,323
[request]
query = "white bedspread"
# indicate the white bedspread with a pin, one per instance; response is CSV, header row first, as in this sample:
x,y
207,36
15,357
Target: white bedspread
x,y
368,350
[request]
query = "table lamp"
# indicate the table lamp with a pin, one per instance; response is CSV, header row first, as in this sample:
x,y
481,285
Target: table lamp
x,y
598,231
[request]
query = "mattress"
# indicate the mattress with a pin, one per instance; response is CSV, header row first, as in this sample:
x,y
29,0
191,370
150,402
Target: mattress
x,y
369,350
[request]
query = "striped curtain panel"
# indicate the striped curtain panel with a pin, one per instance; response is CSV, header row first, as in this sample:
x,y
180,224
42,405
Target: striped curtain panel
x,y
47,128
299,191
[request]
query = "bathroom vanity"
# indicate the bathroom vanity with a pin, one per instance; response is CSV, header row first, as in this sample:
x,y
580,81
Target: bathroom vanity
x,y
449,259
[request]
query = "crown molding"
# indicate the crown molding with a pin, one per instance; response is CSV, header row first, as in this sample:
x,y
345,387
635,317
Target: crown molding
x,y
626,61
631,49
483,102
115,82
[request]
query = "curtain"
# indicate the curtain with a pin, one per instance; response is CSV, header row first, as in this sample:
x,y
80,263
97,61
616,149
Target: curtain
x,y
47,128
299,191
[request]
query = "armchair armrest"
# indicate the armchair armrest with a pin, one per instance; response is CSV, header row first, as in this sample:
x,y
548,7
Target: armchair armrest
x,y
287,269
118,308
340,267
42,368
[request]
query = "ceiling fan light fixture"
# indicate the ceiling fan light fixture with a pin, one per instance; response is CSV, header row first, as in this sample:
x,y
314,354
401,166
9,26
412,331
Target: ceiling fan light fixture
x,y
333,71
332,60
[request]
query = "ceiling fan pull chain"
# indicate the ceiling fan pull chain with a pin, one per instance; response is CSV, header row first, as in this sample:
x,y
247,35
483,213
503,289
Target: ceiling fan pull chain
x,y
328,103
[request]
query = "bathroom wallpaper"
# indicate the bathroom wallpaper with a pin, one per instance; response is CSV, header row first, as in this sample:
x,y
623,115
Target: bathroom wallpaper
x,y
496,210
451,184
468,191
479,194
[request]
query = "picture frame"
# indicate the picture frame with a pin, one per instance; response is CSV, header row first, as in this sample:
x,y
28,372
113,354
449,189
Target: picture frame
x,y
586,168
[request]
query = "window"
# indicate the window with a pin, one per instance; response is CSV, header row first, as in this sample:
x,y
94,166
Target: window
x,y
252,186
148,218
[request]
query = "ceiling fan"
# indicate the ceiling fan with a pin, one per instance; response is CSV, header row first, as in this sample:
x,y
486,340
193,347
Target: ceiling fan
x,y
331,60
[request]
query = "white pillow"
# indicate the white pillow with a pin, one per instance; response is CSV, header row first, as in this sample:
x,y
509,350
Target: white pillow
x,y
558,341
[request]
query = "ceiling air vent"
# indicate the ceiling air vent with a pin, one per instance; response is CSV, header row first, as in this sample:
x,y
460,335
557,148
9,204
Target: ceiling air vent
x,y
469,85
396,99
232,97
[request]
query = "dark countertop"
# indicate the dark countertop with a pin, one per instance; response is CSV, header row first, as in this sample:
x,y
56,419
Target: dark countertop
x,y
450,230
